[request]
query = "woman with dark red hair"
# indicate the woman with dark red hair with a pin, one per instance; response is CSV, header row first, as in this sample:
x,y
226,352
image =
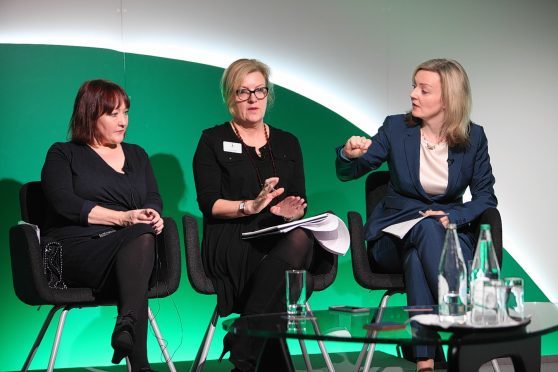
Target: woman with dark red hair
x,y
105,213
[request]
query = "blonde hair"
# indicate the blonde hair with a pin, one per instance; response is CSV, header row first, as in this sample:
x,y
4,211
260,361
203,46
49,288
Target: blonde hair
x,y
456,98
235,74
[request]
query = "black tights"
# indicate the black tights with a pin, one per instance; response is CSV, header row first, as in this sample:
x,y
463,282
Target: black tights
x,y
133,267
266,291
266,294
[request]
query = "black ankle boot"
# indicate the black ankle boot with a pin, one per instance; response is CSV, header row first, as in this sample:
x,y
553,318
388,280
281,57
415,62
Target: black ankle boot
x,y
123,337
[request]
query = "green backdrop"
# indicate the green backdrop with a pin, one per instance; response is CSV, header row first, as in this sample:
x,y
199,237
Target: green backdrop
x,y
172,102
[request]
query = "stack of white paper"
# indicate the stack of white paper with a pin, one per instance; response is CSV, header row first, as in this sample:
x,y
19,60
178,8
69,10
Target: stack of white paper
x,y
328,229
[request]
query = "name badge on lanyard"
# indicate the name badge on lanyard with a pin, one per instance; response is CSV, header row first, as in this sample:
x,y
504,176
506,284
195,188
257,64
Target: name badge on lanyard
x,y
232,147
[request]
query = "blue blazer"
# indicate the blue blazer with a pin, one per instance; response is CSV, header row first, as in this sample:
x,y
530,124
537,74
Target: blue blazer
x,y
398,143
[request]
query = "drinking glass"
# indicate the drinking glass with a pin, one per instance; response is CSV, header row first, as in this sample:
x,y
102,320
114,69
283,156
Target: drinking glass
x,y
489,308
514,303
296,292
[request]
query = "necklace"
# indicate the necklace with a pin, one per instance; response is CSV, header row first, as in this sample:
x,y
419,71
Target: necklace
x,y
429,146
251,157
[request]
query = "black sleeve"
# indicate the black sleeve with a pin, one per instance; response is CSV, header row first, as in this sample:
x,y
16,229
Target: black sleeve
x,y
298,183
152,198
57,185
207,175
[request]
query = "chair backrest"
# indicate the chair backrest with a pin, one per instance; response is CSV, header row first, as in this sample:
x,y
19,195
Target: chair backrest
x,y
194,265
33,204
376,185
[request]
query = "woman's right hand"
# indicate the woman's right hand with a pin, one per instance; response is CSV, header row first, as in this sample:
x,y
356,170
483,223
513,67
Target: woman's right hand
x,y
356,146
147,216
266,195
135,216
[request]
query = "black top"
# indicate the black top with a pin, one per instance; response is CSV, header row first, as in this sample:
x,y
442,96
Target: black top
x,y
222,170
74,179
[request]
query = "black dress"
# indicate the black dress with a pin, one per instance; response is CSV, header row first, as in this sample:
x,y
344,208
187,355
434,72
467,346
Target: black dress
x,y
74,179
222,171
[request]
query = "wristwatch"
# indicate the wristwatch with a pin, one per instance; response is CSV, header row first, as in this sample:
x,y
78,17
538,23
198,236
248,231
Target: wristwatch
x,y
242,206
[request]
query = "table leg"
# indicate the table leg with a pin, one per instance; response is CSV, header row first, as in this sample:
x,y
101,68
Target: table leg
x,y
524,353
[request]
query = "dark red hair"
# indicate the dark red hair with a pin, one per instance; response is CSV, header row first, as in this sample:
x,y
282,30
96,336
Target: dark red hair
x,y
94,99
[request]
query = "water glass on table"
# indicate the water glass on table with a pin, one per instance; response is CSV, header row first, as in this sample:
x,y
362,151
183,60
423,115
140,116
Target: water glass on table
x,y
489,305
296,293
514,302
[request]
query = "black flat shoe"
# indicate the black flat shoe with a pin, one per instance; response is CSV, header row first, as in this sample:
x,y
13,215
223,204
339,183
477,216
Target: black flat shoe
x,y
123,337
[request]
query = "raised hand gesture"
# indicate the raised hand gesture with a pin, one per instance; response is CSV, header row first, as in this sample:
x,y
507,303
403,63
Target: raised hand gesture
x,y
356,146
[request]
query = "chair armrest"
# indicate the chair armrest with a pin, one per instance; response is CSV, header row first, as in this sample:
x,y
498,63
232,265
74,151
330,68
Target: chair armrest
x,y
492,217
362,271
359,257
169,261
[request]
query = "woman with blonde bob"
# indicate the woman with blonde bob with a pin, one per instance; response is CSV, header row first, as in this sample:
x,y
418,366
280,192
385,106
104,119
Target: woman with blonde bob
x,y
434,153
249,175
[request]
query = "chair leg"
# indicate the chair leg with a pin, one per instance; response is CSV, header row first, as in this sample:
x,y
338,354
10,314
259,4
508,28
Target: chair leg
x,y
201,356
57,338
39,338
305,355
320,343
160,340
372,334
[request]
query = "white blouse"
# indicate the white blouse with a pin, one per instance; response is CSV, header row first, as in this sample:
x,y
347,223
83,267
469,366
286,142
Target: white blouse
x,y
433,167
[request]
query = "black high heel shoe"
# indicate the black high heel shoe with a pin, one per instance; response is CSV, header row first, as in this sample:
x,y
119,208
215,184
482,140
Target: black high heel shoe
x,y
228,341
240,357
123,337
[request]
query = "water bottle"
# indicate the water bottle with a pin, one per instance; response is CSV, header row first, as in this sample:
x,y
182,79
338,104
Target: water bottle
x,y
452,280
484,268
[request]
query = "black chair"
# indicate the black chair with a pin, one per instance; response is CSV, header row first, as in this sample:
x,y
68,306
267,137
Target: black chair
x,y
30,281
324,270
376,185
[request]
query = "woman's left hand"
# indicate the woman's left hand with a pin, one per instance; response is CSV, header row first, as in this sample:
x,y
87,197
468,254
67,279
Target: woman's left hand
x,y
156,221
291,208
441,216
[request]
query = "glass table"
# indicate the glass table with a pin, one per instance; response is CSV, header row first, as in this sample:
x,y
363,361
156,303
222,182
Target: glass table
x,y
468,348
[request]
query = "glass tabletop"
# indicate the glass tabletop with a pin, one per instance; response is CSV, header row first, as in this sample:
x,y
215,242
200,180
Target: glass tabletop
x,y
396,326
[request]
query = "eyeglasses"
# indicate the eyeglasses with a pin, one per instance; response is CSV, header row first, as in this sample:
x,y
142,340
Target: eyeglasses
x,y
244,94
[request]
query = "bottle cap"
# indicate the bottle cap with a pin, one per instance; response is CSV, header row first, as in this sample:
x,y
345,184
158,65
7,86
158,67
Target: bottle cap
x,y
485,226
